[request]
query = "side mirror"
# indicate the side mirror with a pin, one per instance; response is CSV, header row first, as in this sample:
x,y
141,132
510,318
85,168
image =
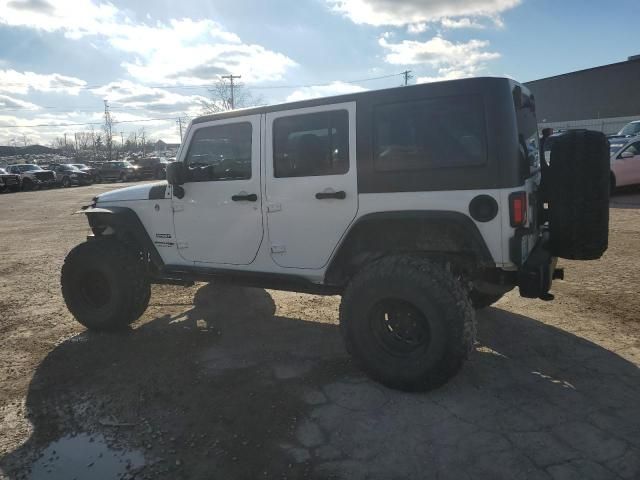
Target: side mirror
x,y
176,173
626,154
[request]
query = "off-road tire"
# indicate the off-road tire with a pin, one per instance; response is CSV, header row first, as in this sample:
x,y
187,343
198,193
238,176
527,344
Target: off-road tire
x,y
115,267
441,300
579,188
15,188
481,300
66,182
27,185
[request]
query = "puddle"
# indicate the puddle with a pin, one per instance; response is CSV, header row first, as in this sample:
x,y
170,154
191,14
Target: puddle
x,y
85,456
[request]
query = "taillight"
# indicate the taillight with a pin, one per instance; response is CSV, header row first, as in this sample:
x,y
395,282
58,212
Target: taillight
x,y
518,208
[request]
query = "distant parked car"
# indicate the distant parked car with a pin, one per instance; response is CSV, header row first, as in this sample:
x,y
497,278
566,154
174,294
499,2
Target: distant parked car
x,y
119,170
631,129
67,175
153,167
625,163
9,182
87,169
33,176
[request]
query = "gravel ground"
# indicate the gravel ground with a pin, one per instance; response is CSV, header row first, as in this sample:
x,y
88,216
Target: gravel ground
x,y
228,382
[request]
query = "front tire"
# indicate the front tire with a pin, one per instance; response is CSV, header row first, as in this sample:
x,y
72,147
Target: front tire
x,y
407,322
481,300
104,284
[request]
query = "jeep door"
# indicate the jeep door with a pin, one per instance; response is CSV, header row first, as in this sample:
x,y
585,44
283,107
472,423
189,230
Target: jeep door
x,y
219,219
310,182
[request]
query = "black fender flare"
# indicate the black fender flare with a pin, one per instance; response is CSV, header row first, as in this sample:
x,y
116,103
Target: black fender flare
x,y
126,224
443,226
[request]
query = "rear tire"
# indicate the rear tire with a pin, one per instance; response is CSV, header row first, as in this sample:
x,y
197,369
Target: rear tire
x,y
104,284
407,322
66,183
27,185
579,186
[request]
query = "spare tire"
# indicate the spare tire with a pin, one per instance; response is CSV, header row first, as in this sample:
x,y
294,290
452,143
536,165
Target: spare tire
x,y
578,195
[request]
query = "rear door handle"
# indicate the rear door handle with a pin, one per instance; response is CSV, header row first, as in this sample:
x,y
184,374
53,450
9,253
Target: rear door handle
x,y
245,198
341,195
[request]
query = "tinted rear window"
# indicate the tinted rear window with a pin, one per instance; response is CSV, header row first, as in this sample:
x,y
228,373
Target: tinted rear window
x,y
527,131
435,133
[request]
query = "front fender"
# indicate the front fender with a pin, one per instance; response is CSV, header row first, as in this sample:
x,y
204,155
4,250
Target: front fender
x,y
125,224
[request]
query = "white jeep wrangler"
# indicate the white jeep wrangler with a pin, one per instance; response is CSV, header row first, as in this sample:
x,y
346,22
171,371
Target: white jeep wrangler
x,y
416,204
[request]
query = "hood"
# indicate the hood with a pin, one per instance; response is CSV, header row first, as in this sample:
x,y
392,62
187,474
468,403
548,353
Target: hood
x,y
136,192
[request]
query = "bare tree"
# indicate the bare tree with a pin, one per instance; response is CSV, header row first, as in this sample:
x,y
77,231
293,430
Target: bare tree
x,y
85,140
220,97
108,129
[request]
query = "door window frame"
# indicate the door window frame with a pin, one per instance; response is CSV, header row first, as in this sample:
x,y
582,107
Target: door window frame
x,y
268,151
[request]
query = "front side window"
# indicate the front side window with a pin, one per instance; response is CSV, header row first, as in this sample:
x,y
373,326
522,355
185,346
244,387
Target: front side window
x,y
311,145
634,148
435,133
220,152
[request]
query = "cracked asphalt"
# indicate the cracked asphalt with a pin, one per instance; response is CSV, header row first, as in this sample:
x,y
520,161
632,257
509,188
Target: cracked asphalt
x,y
237,383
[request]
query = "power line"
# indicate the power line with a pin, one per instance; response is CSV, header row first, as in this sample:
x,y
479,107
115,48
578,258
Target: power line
x,y
252,87
88,123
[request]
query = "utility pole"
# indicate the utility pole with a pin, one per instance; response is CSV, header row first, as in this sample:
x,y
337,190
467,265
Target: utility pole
x,y
179,122
122,142
407,77
231,78
144,145
108,124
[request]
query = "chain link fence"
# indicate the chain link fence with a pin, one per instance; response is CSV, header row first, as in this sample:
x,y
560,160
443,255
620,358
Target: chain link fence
x,y
605,125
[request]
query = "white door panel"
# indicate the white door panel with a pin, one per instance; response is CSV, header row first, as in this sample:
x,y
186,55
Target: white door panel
x,y
308,215
220,221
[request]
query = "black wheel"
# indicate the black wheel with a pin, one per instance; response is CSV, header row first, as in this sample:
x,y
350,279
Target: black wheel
x,y
15,188
407,322
579,185
27,184
97,179
104,284
66,182
123,177
481,300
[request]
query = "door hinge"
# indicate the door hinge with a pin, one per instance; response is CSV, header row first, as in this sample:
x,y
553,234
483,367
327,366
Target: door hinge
x,y
278,249
182,245
178,207
274,207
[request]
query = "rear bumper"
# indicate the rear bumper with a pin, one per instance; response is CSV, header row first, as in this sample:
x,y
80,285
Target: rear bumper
x,y
536,274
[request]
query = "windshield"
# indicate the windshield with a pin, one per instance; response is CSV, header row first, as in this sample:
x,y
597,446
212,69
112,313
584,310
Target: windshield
x,y
28,168
80,166
630,129
72,168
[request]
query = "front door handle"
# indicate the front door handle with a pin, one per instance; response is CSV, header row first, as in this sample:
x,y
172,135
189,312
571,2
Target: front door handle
x,y
341,195
245,198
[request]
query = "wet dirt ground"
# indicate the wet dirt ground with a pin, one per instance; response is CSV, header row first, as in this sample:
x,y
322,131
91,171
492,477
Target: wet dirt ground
x,y
236,383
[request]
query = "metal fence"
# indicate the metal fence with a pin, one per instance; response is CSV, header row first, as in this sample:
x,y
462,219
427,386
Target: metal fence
x,y
605,125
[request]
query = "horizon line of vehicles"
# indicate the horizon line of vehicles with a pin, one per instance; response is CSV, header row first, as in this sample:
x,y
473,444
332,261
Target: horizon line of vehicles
x,y
31,176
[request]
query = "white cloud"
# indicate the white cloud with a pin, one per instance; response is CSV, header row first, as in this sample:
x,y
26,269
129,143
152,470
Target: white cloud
x,y
12,81
410,12
154,100
416,28
10,103
464,22
335,88
450,60
179,51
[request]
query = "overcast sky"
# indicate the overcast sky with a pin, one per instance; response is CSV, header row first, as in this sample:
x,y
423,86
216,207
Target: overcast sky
x,y
153,58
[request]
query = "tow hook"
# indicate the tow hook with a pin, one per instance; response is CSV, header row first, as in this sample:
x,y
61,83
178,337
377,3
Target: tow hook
x,y
558,274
